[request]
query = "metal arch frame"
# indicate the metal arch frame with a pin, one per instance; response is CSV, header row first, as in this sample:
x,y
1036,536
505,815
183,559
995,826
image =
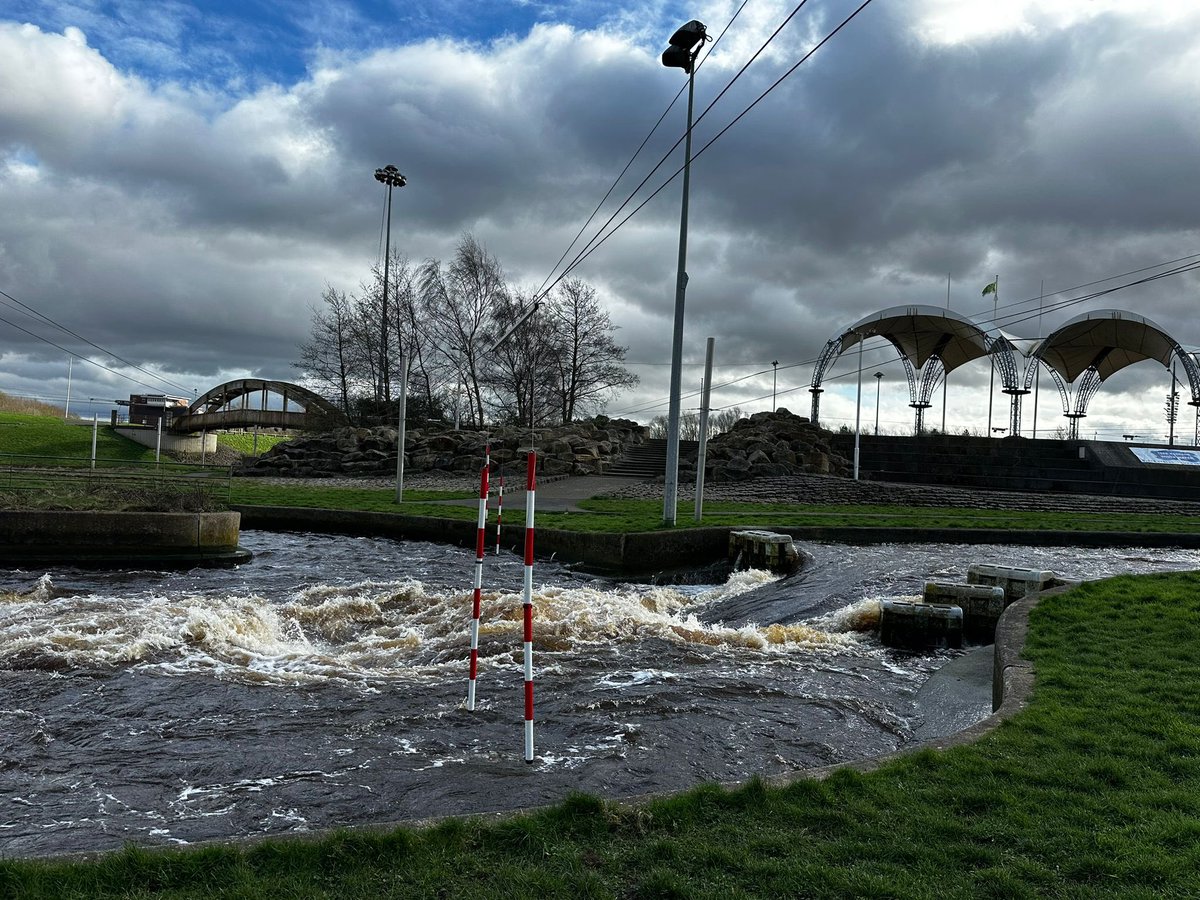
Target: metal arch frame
x,y
931,376
831,351
1086,389
828,354
219,397
1191,369
1001,349
932,373
1064,390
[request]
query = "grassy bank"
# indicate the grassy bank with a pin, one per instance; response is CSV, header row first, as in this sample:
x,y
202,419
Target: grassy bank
x,y
50,437
1094,790
616,516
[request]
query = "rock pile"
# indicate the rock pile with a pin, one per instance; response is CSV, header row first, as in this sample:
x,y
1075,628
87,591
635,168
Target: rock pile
x,y
769,444
582,448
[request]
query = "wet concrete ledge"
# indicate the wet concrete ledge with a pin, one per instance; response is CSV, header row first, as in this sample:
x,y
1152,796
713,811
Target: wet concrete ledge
x,y
120,539
648,554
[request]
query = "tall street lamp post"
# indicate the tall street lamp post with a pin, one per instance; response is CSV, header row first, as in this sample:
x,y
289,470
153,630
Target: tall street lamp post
x,y
390,177
774,381
684,46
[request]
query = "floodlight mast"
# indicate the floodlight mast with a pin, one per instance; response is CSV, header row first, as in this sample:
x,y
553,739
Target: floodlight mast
x,y
684,46
389,176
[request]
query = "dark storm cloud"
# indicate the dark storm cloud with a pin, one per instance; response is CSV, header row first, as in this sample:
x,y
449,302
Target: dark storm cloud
x,y
195,225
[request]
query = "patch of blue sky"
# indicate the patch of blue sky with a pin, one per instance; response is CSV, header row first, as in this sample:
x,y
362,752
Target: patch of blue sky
x,y
239,44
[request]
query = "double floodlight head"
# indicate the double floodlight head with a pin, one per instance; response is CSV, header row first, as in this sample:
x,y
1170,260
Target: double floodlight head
x,y
390,176
685,44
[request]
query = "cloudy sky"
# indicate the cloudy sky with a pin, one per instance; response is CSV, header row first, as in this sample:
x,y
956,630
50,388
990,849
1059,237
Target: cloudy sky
x,y
179,181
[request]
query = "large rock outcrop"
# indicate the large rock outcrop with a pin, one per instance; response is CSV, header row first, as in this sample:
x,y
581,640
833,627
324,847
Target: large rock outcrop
x,y
582,448
769,444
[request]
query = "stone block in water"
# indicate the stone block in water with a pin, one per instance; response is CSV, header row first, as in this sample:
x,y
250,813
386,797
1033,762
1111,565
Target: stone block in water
x,y
1017,583
763,550
981,606
920,626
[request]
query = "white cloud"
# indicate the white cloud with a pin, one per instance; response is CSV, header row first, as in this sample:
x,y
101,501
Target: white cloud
x,y
195,226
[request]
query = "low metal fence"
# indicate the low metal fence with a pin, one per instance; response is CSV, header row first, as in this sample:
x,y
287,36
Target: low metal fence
x,y
161,482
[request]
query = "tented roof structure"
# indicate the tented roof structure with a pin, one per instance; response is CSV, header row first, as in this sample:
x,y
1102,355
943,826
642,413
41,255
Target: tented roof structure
x,y
1107,340
920,332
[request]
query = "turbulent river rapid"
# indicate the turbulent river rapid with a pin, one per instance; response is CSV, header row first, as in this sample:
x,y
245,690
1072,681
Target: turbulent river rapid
x,y
323,684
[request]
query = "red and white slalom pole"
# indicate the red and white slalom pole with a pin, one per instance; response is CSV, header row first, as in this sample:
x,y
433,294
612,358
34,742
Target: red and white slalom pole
x,y
531,480
477,597
499,513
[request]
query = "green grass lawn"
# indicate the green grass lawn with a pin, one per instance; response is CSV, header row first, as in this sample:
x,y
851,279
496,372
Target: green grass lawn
x,y
625,516
51,437
1092,791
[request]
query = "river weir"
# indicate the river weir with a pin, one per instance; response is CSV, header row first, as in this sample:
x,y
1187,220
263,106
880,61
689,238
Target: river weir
x,y
323,684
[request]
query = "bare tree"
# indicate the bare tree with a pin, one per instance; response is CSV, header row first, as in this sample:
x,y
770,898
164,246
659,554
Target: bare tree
x,y
521,373
460,302
721,420
586,360
411,339
331,360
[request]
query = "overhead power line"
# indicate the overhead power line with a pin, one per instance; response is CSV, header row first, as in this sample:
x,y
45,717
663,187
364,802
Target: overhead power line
x,y
29,310
1191,263
601,236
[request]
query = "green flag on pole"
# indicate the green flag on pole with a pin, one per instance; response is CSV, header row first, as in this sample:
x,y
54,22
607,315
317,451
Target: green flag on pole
x,y
992,288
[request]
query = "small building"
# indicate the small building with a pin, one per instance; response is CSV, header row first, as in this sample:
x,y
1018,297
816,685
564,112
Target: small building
x,y
148,409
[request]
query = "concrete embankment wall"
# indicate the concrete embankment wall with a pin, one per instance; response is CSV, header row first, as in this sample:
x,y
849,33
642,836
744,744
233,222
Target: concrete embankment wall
x,y
118,538
650,553
170,443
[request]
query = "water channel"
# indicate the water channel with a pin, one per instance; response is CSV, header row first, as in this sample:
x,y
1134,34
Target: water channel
x,y
322,684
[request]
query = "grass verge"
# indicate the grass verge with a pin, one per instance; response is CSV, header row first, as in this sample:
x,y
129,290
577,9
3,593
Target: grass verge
x,y
49,437
1092,791
626,516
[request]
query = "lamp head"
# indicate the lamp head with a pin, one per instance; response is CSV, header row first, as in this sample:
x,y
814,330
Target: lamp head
x,y
390,176
689,36
685,43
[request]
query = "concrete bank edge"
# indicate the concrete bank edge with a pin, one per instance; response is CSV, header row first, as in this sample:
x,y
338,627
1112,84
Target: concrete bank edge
x,y
101,538
642,554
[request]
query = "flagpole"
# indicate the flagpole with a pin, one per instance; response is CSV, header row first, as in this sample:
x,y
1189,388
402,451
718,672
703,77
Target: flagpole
x,y
1037,372
944,379
994,290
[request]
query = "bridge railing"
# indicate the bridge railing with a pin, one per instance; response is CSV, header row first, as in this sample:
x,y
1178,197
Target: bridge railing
x,y
47,481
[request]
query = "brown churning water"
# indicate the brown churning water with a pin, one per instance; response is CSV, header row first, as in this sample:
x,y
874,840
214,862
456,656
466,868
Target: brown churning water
x,y
324,685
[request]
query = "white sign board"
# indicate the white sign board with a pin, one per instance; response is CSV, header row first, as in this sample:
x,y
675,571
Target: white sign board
x,y
1167,456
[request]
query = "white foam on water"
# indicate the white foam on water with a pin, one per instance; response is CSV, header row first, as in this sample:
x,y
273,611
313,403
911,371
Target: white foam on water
x,y
368,631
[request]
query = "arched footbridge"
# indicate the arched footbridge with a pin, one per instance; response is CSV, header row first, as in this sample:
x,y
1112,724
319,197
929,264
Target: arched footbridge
x,y
250,402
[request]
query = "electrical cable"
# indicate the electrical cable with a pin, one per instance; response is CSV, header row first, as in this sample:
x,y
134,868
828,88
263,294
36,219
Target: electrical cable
x,y
77,356
30,310
540,291
598,241
1072,301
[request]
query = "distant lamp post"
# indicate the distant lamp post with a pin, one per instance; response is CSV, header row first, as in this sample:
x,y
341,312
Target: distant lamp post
x,y
774,381
390,177
878,382
684,46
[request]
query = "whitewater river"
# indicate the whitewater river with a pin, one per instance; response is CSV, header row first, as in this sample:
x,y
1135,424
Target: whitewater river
x,y
323,684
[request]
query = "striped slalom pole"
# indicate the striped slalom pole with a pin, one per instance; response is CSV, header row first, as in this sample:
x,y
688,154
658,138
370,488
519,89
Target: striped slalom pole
x,y
531,481
499,513
477,596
